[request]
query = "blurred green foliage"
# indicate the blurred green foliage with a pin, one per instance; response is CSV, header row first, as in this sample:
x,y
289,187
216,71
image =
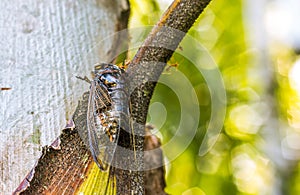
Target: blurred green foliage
x,y
236,164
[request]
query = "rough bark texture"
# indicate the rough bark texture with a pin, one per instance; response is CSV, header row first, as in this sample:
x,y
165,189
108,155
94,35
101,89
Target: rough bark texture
x,y
149,62
60,170
157,49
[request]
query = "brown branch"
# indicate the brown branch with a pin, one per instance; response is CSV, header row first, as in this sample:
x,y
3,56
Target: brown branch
x,y
144,71
157,50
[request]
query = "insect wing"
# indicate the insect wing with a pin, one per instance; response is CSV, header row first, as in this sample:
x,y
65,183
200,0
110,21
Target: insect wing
x,y
102,148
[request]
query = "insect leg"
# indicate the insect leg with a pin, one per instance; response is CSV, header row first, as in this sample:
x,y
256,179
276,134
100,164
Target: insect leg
x,y
84,78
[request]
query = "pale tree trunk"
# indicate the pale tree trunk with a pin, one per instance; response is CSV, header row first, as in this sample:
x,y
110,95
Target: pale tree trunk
x,y
44,45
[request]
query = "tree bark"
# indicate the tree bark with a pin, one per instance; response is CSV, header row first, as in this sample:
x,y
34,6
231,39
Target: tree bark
x,y
149,62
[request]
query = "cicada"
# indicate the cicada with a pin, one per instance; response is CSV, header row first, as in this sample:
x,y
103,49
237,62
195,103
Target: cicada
x,y
102,117
108,113
109,128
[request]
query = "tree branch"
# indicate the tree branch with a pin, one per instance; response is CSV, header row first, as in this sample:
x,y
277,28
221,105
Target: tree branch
x,y
145,69
158,49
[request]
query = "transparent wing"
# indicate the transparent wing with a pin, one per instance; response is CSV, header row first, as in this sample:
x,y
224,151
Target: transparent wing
x,y
102,148
127,141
